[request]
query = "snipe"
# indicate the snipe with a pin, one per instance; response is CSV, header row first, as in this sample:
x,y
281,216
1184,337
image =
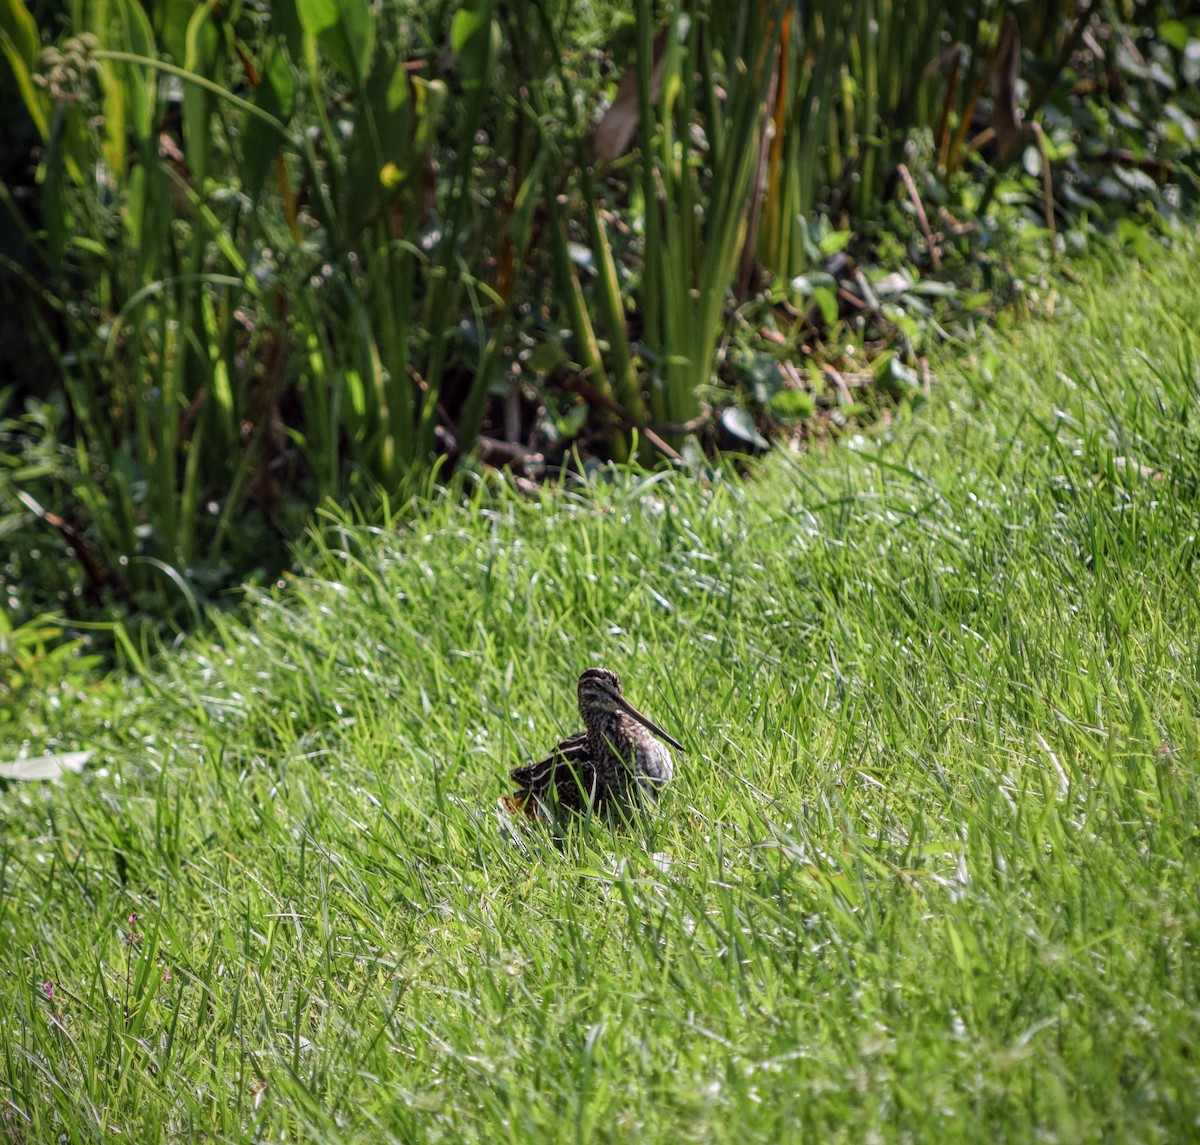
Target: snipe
x,y
615,761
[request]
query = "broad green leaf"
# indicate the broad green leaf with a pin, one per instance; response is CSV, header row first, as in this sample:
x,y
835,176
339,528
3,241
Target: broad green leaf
x,y
826,299
792,405
172,18
286,22
834,242
468,21
474,37
1175,33
568,425
345,32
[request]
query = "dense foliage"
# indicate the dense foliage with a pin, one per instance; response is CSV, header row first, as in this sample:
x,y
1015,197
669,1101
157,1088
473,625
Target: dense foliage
x,y
257,256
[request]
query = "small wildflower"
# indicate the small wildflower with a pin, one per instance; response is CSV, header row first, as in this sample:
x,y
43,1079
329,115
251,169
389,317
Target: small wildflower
x,y
48,991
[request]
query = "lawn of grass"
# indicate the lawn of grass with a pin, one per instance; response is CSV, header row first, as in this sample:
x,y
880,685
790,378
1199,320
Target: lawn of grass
x,y
930,868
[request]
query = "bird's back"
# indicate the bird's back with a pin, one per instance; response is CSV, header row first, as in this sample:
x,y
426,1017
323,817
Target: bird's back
x,y
569,771
616,760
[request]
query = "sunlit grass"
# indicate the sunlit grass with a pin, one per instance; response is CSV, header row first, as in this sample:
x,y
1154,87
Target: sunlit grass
x,y
928,871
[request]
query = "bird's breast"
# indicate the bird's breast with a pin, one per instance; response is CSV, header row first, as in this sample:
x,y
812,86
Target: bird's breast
x,y
654,761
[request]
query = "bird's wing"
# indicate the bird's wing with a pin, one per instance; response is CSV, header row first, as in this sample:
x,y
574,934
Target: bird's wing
x,y
574,752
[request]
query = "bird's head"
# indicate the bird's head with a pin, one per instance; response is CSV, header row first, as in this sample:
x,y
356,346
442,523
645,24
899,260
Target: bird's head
x,y
600,691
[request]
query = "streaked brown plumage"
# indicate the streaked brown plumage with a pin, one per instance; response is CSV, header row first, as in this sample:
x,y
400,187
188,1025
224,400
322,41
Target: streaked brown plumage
x,y
616,761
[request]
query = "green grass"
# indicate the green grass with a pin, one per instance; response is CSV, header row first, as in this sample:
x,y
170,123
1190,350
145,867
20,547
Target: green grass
x,y
930,869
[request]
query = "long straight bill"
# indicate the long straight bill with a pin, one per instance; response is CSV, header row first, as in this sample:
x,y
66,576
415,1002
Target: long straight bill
x,y
648,724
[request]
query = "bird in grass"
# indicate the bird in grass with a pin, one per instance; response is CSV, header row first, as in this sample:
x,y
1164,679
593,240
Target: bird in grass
x,y
615,762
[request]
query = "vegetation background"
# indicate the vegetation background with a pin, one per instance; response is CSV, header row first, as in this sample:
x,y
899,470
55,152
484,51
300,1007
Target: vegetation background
x,y
260,257
428,292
